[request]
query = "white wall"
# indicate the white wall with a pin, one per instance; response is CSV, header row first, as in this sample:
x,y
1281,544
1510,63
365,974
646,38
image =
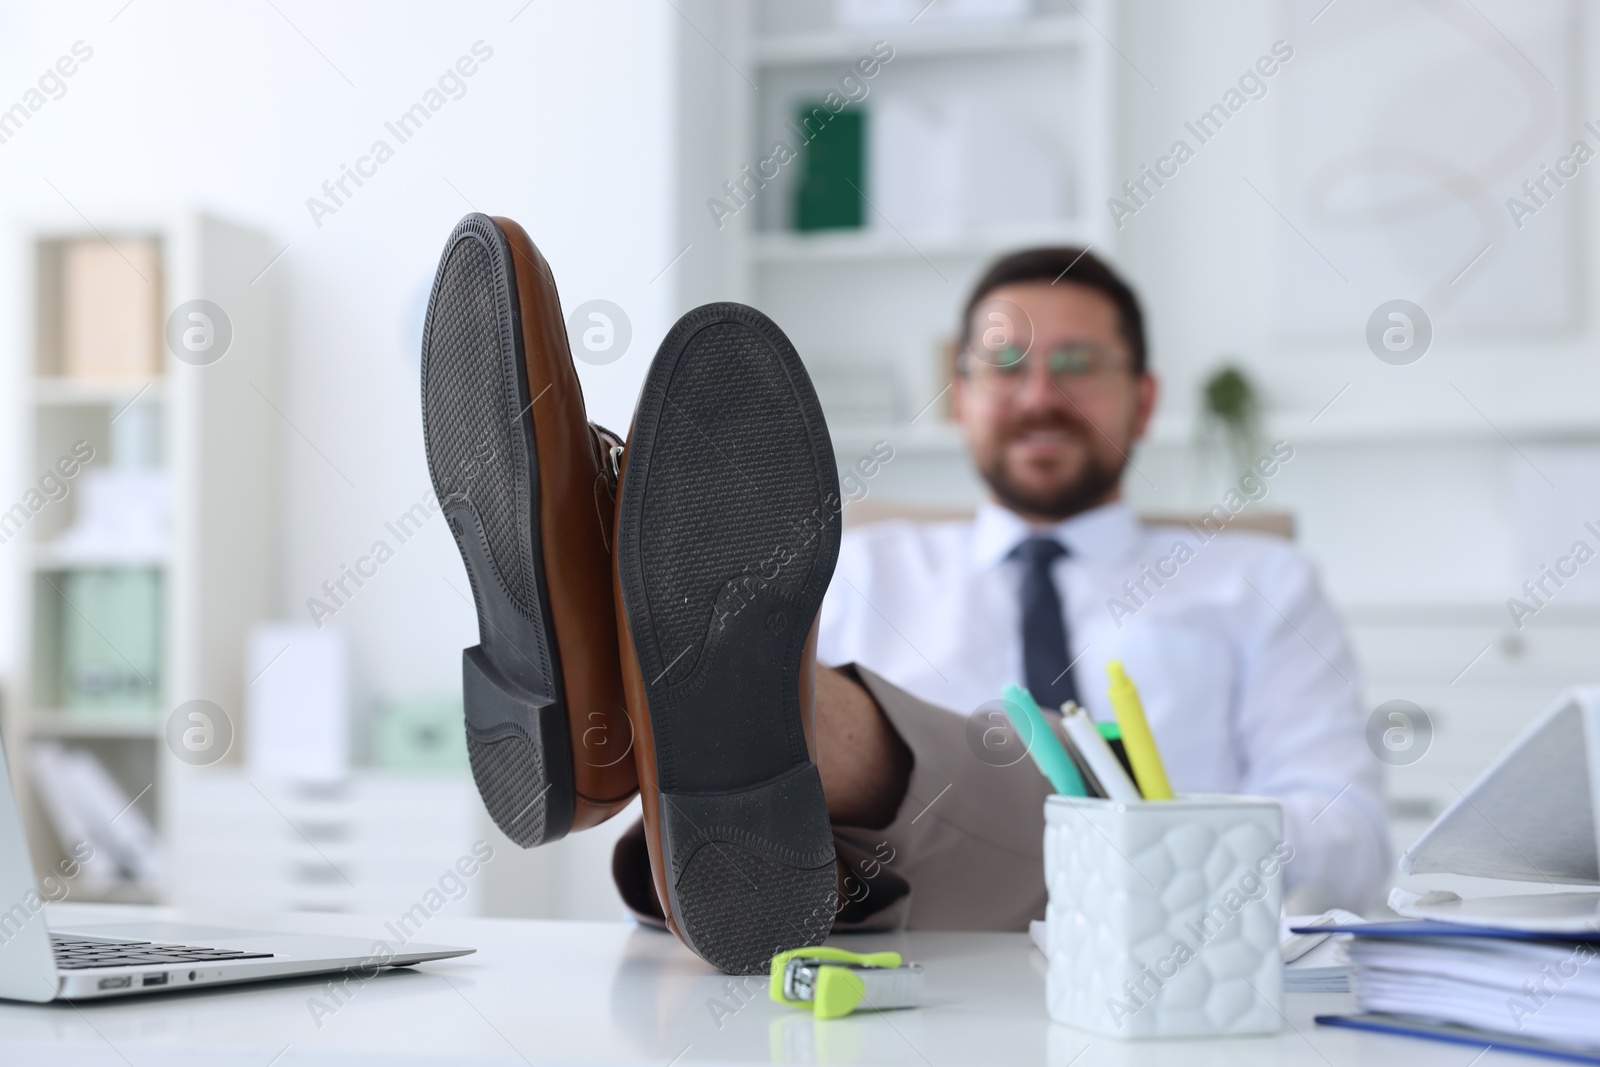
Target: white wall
x,y
1404,491
567,128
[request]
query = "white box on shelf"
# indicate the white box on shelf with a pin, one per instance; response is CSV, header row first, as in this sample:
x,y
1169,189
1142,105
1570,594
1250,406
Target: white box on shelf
x,y
298,722
123,512
937,170
1009,175
913,167
109,325
1163,915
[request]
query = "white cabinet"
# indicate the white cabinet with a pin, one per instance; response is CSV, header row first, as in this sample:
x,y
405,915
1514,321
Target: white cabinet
x,y
376,843
1479,682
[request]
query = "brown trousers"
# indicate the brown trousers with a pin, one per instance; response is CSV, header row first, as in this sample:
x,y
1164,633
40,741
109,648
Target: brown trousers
x,y
964,852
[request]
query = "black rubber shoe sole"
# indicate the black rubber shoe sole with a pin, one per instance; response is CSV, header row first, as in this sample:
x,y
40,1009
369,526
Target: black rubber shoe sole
x,y
478,428
727,536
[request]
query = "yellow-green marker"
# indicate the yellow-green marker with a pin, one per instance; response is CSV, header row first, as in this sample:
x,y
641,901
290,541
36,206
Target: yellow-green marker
x,y
1137,740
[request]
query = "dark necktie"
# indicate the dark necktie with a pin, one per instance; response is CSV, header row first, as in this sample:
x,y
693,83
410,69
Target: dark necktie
x,y
1045,656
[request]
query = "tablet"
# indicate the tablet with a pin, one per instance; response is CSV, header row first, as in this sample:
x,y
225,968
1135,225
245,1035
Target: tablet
x,y
1531,816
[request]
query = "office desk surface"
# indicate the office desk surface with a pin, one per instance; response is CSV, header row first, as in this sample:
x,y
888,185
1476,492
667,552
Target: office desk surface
x,y
571,992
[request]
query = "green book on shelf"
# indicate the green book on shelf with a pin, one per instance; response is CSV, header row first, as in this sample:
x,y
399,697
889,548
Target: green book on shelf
x,y
420,734
111,639
832,170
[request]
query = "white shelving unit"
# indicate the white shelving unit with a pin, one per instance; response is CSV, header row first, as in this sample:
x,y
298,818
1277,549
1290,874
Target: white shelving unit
x,y
872,310
216,441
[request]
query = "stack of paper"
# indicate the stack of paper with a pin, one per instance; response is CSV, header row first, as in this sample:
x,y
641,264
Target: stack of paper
x,y
1549,990
1317,962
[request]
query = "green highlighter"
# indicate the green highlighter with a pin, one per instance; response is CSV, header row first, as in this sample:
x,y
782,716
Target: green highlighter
x,y
1043,745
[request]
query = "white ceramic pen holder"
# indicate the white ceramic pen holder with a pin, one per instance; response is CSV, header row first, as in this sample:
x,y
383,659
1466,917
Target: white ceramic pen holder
x,y
1163,915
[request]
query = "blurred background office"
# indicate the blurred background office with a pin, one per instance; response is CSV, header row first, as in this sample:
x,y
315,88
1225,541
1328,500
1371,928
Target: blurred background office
x,y
232,618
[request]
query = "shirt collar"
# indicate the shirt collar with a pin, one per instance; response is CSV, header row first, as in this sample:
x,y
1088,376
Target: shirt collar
x,y
1100,535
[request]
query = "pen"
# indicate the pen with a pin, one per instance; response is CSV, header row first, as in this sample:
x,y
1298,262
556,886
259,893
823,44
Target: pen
x,y
1043,745
1097,755
1113,735
1136,737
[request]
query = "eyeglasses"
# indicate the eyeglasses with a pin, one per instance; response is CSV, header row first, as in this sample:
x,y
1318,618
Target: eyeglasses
x,y
1076,368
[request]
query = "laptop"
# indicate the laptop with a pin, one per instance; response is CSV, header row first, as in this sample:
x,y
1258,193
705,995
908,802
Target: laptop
x,y
91,961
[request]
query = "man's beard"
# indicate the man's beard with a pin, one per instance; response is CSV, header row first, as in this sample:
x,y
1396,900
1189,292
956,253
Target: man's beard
x,y
1092,485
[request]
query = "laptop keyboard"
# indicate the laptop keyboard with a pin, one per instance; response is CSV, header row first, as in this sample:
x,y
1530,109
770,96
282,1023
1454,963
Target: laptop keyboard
x,y
80,953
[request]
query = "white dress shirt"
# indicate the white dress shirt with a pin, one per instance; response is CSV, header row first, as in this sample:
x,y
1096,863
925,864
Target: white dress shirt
x,y
1243,667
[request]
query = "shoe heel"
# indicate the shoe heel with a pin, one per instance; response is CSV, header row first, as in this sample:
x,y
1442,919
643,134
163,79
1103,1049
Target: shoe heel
x,y
519,754
739,897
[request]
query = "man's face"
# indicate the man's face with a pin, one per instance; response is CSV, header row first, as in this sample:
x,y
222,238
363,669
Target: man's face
x,y
1048,402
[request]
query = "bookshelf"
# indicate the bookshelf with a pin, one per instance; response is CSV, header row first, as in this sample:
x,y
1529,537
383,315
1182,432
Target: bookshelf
x,y
873,309
137,577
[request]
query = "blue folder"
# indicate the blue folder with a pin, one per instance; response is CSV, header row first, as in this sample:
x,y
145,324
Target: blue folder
x,y
1414,928
1406,1026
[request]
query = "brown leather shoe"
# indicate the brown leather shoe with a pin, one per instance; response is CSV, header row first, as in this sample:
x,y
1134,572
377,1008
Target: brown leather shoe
x,y
727,533
526,483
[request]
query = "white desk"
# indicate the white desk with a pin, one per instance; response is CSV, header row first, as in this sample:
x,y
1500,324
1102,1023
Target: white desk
x,y
568,992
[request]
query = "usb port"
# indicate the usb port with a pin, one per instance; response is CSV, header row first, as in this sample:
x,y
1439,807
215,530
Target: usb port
x,y
117,983
155,979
